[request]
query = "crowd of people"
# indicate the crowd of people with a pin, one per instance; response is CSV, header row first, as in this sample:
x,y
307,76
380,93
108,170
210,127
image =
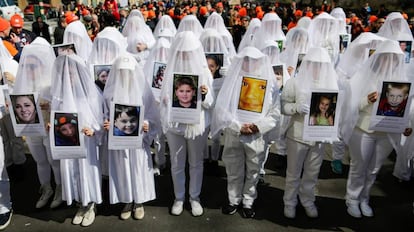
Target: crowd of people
x,y
253,76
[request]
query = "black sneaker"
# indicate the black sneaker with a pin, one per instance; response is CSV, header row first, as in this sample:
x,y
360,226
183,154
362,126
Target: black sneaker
x,y
5,219
248,213
229,209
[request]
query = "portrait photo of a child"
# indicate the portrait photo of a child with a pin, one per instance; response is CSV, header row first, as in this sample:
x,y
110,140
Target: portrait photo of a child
x,y
185,91
322,111
393,99
126,120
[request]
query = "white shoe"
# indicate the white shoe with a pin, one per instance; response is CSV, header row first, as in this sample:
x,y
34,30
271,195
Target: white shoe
x,y
289,211
89,217
366,210
126,211
311,211
57,199
47,193
354,211
177,208
139,212
77,219
196,208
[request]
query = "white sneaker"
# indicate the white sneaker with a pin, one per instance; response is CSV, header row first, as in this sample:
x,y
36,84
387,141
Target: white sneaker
x,y
77,219
196,208
47,193
311,211
89,216
289,211
354,211
139,212
366,210
57,199
177,208
126,211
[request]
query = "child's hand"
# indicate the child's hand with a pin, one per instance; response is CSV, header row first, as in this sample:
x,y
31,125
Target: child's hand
x,y
48,126
290,70
204,89
372,97
145,126
254,128
106,124
88,131
408,131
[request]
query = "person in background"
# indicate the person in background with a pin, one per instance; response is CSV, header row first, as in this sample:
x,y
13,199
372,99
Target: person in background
x,y
59,30
26,36
41,28
10,40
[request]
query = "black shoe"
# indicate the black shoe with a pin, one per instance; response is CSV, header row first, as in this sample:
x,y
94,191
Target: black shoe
x,y
229,209
248,213
5,219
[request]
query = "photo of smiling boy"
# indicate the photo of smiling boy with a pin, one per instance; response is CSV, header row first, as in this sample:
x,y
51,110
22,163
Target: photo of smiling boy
x,y
393,99
126,120
252,94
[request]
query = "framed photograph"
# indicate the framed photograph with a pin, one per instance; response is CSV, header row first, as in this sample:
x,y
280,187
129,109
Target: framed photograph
x,y
278,71
406,49
26,115
126,126
321,124
253,93
186,99
64,49
391,111
66,139
101,73
158,74
345,40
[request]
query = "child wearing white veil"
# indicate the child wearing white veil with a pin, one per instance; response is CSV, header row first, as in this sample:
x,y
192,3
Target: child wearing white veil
x,y
34,76
165,22
368,148
74,91
158,54
297,43
270,29
395,27
215,21
190,23
76,33
316,72
244,136
250,35
187,56
131,179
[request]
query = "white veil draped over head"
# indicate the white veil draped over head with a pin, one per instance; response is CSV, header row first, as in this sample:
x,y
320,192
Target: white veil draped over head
x,y
136,32
324,32
165,22
159,53
340,15
304,22
136,12
215,21
127,84
35,69
250,35
76,33
212,42
271,29
386,64
249,62
74,91
108,45
357,53
271,49
297,42
396,27
190,23
186,56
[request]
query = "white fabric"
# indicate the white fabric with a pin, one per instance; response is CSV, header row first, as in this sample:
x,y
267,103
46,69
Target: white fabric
x,y
396,27
8,64
340,15
212,42
165,23
74,90
215,21
271,49
304,23
270,29
76,33
136,12
297,42
186,56
190,23
250,35
107,45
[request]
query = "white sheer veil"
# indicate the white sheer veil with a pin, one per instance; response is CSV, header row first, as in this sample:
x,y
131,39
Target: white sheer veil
x,y
165,22
76,33
190,23
108,45
250,35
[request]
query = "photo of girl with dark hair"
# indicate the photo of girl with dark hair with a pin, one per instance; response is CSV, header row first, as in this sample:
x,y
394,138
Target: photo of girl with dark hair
x,y
66,129
323,112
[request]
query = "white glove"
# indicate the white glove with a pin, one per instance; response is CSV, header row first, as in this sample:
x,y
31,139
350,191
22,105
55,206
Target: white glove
x,y
302,108
223,71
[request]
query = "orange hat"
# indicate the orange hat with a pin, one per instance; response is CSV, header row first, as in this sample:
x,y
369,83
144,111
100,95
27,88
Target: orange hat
x,y
203,10
150,6
258,9
70,17
243,12
145,14
354,19
298,13
151,14
260,14
171,12
309,14
372,18
4,24
219,4
16,21
193,9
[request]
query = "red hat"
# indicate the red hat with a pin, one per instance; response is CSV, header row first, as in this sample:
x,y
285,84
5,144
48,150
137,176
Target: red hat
x,y
4,24
219,4
372,18
243,12
85,12
203,10
309,14
298,13
16,21
260,15
70,17
151,14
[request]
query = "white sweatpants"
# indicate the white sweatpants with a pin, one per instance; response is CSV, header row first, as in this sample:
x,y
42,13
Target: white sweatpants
x,y
241,159
179,147
40,148
300,157
368,152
